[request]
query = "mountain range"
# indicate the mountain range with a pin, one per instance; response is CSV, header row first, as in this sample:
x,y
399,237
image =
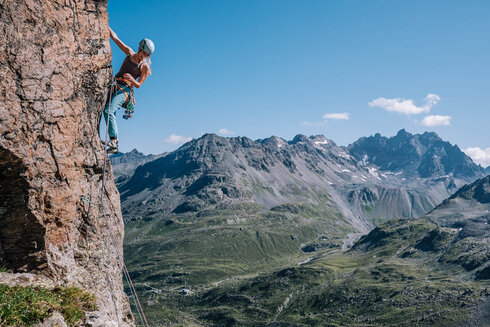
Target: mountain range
x,y
371,180
223,219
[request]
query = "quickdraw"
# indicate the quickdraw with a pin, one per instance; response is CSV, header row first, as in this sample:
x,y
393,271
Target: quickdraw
x,y
130,100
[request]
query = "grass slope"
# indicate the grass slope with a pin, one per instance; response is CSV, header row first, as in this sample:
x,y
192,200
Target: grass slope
x,y
25,306
394,276
215,244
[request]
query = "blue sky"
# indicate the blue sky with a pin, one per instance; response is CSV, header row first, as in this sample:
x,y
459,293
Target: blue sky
x,y
258,68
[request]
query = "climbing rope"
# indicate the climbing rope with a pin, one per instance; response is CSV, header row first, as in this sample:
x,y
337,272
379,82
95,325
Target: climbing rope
x,y
118,252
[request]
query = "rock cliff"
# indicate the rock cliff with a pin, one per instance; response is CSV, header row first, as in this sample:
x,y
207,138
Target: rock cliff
x,y
55,58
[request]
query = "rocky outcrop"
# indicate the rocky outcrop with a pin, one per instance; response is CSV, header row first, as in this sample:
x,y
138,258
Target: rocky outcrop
x,y
55,58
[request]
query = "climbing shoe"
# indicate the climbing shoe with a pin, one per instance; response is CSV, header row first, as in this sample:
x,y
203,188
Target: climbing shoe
x,y
113,150
111,144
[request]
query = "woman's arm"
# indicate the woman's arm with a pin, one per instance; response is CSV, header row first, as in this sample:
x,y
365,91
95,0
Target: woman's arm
x,y
127,50
145,71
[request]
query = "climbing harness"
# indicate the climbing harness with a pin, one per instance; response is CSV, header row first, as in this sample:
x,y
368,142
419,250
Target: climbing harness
x,y
130,99
118,252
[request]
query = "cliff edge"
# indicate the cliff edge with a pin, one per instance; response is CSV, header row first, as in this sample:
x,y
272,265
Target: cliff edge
x,y
55,57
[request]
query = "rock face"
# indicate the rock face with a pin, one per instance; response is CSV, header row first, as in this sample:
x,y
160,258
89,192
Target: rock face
x,y
55,59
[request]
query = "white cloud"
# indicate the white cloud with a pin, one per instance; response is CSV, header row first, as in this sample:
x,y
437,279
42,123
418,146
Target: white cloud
x,y
432,99
480,156
406,106
225,131
177,139
436,120
337,116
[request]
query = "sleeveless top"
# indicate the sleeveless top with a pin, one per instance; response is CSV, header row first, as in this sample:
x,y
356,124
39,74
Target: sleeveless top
x,y
129,67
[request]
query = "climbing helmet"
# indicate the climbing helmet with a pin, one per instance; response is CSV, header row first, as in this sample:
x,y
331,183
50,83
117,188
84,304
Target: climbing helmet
x,y
147,46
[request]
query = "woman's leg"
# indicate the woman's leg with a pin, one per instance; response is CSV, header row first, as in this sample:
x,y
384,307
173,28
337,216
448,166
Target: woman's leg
x,y
117,100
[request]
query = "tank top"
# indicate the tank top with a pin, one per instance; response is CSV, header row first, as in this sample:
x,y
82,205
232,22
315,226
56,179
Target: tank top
x,y
129,67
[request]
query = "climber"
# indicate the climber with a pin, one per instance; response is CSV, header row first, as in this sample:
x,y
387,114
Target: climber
x,y
133,72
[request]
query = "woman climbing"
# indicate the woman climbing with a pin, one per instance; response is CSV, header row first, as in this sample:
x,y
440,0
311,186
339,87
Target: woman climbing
x,y
133,72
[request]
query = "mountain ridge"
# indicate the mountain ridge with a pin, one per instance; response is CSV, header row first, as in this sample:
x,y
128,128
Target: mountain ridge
x,y
362,188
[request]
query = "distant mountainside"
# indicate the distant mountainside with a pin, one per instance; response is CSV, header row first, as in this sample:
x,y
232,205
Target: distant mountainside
x,y
470,202
421,155
431,271
372,180
261,204
124,164
216,172
487,170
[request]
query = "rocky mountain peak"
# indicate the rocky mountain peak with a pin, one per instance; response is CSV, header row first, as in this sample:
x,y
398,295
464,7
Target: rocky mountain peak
x,y
403,134
429,137
135,153
131,155
274,142
300,138
423,155
321,139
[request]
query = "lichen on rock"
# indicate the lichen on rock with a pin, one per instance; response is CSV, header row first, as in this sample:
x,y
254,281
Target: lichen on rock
x,y
55,58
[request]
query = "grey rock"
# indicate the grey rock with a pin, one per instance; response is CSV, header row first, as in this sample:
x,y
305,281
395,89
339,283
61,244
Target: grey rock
x,y
55,320
26,279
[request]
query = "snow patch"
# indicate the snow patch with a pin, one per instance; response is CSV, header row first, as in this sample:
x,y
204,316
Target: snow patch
x,y
364,160
345,155
373,171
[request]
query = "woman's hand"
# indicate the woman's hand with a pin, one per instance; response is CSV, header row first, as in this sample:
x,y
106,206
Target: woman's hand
x,y
129,78
145,71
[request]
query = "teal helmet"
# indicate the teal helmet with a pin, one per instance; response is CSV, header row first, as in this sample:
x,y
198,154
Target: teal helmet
x,y
147,46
